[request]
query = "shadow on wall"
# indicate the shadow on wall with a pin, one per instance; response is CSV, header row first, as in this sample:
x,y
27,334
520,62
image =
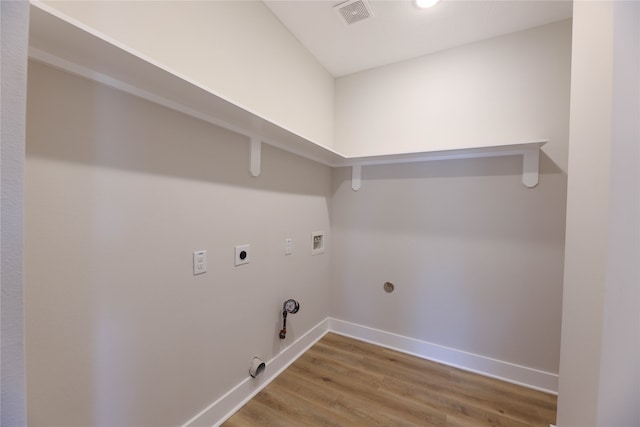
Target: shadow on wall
x,y
119,194
84,122
458,168
464,197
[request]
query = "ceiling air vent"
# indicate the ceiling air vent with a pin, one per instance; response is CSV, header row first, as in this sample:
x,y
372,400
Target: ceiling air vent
x,y
353,11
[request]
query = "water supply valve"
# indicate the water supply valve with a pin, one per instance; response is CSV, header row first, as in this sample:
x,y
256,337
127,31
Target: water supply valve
x,y
290,306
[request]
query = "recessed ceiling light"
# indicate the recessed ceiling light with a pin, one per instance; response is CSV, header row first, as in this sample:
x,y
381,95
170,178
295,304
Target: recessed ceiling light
x,y
424,4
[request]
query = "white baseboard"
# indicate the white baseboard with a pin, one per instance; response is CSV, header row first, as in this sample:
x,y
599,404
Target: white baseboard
x,y
505,371
220,410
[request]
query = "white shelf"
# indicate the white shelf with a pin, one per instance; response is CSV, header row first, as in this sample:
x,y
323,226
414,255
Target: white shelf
x,y
530,152
62,43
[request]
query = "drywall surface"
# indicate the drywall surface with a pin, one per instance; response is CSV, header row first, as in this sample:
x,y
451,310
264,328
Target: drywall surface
x,y
619,391
506,90
599,367
14,17
119,194
236,49
476,258
588,211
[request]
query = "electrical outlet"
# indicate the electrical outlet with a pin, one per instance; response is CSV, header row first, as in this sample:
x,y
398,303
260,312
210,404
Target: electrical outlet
x,y
242,255
199,262
288,246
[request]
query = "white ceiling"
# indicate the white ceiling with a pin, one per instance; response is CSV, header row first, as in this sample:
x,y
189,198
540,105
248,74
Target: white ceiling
x,y
401,31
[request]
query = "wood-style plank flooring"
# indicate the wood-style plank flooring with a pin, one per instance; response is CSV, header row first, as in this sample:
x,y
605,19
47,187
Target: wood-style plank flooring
x,y
345,382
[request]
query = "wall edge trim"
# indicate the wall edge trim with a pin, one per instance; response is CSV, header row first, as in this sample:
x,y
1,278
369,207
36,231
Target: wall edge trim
x,y
224,407
546,382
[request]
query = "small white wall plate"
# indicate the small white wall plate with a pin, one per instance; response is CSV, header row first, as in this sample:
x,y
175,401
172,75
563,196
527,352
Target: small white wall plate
x,y
317,242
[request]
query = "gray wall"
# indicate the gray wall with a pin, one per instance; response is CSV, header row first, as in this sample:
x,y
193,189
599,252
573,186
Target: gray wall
x,y
119,193
476,257
237,50
13,53
504,90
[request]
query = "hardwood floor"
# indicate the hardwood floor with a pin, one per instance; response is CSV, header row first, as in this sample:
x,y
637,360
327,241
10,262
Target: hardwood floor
x,y
345,382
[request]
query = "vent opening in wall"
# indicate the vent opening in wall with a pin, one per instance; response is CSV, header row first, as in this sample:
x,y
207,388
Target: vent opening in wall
x,y
353,11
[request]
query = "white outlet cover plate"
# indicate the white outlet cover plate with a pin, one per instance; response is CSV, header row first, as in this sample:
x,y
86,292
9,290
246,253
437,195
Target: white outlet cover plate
x,y
199,262
242,254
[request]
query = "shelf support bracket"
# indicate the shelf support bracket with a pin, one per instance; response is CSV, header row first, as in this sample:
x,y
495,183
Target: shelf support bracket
x,y
530,167
356,177
256,153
